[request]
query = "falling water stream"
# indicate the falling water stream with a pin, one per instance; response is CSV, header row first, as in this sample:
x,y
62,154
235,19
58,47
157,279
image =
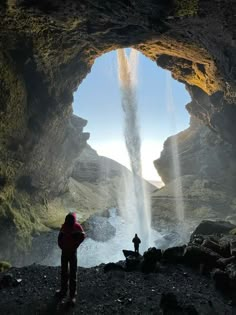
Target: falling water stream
x,y
127,70
178,189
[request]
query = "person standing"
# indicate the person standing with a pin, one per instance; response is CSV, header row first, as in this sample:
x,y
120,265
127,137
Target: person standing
x,y
71,235
136,240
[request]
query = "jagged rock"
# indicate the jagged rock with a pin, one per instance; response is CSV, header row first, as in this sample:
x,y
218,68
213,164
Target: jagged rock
x,y
174,254
214,247
223,262
195,255
150,259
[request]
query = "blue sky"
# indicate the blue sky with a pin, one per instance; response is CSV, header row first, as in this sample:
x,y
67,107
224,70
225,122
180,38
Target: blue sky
x,y
98,100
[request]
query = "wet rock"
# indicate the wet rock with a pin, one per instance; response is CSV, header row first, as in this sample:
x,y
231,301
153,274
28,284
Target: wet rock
x,y
197,239
150,259
133,262
207,227
99,229
214,246
195,255
174,254
228,244
223,262
130,253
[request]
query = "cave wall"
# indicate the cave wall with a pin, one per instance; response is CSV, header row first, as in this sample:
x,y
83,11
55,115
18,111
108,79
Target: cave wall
x,y
48,47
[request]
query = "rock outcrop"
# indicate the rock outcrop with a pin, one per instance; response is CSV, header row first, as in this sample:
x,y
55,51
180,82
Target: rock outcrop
x,y
207,176
202,153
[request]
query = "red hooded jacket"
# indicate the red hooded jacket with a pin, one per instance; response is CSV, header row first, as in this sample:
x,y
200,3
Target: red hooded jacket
x,y
71,235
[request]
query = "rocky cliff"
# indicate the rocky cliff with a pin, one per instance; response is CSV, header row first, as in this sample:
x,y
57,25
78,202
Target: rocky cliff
x,y
207,175
202,153
48,47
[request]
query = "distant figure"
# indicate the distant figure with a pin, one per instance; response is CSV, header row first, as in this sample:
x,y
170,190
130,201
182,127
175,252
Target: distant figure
x,y
136,240
70,237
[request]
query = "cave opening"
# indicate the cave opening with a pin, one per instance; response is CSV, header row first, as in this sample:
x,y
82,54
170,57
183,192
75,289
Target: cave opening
x,y
98,101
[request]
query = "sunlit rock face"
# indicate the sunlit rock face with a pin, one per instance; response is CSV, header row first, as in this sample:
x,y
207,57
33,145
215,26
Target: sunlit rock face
x,y
48,47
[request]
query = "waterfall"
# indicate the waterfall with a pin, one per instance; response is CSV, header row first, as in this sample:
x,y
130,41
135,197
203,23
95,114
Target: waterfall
x,y
138,206
178,190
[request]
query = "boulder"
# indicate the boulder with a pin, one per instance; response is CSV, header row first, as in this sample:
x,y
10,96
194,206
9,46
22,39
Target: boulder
x,y
223,262
133,263
174,254
128,253
228,244
133,260
150,259
196,255
208,227
99,228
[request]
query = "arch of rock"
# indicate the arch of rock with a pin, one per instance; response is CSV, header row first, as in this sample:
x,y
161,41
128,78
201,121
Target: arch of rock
x,y
47,49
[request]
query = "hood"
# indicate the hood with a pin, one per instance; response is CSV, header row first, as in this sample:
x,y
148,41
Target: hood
x,y
70,219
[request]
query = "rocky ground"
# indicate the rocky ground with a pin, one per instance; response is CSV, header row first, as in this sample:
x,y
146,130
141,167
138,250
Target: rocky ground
x,y
175,289
197,278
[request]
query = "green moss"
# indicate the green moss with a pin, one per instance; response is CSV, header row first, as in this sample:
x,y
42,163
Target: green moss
x,y
4,265
186,8
233,231
23,216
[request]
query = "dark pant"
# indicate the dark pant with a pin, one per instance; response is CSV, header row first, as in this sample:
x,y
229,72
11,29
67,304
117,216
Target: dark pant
x,y
71,275
136,248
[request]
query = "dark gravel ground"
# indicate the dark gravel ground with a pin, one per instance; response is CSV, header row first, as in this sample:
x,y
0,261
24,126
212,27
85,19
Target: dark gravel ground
x,y
115,292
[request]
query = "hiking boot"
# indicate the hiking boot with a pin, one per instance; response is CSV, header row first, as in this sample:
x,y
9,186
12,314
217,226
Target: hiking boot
x,y
60,294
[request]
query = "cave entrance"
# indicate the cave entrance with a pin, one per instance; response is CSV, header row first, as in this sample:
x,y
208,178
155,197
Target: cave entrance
x,y
98,101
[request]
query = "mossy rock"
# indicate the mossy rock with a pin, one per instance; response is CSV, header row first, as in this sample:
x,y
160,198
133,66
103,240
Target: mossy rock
x,y
4,265
185,8
233,231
